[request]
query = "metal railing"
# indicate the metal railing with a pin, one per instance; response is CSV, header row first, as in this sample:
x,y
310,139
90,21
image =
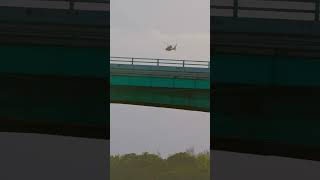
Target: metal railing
x,y
270,9
159,62
90,5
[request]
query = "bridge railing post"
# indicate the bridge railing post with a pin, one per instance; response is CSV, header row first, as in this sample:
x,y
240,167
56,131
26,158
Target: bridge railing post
x,y
132,61
182,63
158,63
235,8
71,5
317,10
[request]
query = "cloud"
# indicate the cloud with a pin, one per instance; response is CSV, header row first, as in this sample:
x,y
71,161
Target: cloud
x,y
141,28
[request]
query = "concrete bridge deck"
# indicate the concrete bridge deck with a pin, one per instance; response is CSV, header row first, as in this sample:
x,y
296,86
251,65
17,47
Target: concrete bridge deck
x,y
53,67
180,84
265,77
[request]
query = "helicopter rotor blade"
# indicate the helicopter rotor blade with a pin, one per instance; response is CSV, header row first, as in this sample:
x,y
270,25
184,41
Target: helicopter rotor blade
x,y
166,43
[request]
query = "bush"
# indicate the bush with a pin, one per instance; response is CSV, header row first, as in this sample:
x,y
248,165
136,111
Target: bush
x,y
180,166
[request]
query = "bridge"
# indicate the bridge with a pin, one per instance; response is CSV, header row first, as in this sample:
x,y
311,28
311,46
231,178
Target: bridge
x,y
180,84
53,67
266,77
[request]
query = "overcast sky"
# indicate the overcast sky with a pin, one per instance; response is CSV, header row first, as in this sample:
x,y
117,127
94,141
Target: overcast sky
x,y
141,28
136,129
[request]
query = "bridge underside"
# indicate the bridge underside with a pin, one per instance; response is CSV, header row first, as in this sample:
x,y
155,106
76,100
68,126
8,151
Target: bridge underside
x,y
53,69
53,105
267,120
54,90
267,86
187,99
54,61
170,87
266,105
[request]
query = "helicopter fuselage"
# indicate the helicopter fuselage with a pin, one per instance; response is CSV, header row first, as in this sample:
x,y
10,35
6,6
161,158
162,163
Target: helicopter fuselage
x,y
170,48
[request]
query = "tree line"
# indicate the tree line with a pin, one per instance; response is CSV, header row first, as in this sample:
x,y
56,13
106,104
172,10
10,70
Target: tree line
x,y
180,166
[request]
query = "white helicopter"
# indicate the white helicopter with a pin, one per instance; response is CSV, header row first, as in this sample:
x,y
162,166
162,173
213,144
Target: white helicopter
x,y
170,47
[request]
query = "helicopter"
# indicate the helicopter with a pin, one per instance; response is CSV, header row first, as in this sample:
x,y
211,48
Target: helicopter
x,y
171,48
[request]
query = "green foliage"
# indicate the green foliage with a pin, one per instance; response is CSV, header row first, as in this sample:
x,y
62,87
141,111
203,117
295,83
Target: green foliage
x,y
180,166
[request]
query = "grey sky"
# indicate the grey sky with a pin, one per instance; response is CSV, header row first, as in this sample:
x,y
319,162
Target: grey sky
x,y
136,129
140,28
